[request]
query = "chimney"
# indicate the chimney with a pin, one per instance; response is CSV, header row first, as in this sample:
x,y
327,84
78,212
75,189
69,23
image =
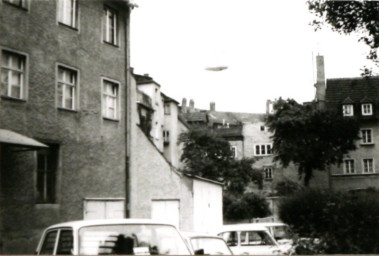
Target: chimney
x,y
269,107
212,106
184,105
320,84
191,106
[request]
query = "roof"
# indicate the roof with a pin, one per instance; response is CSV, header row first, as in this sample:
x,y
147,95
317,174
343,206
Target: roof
x,y
195,116
83,223
144,79
353,90
235,117
16,139
168,99
203,179
244,227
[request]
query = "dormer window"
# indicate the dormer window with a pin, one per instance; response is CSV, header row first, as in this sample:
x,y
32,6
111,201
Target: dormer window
x,y
348,110
367,109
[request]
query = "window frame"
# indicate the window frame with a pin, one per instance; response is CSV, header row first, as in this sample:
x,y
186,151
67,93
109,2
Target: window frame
x,y
349,166
76,85
346,107
365,138
23,4
106,26
117,117
266,147
364,166
24,82
57,239
234,151
73,15
268,170
167,109
368,113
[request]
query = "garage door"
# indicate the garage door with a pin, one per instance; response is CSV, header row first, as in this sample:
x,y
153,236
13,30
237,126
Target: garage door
x,y
103,209
166,211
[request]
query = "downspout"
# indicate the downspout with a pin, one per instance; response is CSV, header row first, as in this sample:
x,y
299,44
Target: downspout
x,y
127,110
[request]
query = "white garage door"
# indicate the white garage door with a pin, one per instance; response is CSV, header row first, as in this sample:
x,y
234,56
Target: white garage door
x,y
103,209
166,211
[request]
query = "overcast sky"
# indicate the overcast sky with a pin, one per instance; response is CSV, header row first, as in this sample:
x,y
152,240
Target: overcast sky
x,y
267,46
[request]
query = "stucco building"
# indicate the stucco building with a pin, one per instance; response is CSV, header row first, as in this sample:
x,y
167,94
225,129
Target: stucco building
x,y
353,98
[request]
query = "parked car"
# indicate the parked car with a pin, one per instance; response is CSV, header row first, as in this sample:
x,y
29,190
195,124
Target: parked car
x,y
282,234
201,244
252,239
122,236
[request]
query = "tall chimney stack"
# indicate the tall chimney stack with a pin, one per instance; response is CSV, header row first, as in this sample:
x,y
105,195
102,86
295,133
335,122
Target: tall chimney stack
x,y
320,84
191,106
212,106
184,105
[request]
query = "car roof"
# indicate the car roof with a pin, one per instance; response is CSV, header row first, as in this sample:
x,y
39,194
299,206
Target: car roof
x,y
273,224
84,223
198,235
244,227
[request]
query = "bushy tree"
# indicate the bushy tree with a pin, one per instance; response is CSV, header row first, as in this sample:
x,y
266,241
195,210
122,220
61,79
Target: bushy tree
x,y
350,16
309,137
287,187
343,223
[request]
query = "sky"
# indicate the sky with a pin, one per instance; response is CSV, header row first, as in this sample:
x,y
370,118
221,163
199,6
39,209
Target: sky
x,y
268,46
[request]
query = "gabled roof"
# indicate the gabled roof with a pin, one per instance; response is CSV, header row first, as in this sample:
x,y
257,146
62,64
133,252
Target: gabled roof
x,y
168,99
357,89
144,79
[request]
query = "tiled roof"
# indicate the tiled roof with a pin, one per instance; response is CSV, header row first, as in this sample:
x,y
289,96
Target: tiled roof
x,y
168,99
195,116
357,89
235,117
144,79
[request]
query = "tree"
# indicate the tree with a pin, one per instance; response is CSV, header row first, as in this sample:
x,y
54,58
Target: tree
x,y
350,16
207,155
309,137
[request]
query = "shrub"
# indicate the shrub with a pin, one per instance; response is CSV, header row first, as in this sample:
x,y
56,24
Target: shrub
x,y
343,222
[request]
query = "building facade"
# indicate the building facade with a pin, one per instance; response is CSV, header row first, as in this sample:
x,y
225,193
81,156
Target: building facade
x,y
64,83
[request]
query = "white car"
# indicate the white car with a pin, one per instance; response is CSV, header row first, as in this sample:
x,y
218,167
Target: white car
x,y
282,234
201,244
250,239
113,236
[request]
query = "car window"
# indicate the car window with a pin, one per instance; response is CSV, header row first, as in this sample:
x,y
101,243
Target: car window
x,y
65,242
282,232
255,238
210,245
231,238
49,242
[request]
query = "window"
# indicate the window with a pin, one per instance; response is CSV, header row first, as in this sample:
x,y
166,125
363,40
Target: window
x,y
167,110
64,246
268,173
65,242
67,88
255,238
110,99
19,3
349,166
47,162
366,136
367,109
68,12
13,75
48,245
262,128
110,26
348,110
234,151
263,149
166,137
368,165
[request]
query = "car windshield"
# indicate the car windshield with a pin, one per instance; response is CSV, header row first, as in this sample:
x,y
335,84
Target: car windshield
x,y
137,239
282,232
212,246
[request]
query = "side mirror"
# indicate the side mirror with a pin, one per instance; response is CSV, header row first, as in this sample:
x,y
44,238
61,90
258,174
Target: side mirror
x,y
199,252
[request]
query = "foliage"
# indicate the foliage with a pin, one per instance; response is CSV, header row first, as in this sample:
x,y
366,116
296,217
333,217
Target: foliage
x,y
350,16
209,156
309,137
287,187
343,223
247,206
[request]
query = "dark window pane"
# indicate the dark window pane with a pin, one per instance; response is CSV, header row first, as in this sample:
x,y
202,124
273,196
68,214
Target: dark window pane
x,y
49,243
65,243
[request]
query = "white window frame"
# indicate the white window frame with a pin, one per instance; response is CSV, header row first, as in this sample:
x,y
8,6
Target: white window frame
x,y
68,12
266,148
348,110
23,71
370,168
107,26
19,3
105,96
268,172
367,136
234,151
74,85
349,166
367,109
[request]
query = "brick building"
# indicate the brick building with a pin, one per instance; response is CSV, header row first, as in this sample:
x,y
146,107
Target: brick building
x,y
64,83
